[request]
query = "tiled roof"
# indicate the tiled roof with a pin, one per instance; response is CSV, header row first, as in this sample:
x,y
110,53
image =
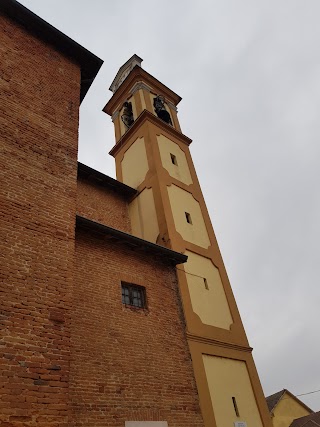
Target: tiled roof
x,y
273,400
101,179
312,420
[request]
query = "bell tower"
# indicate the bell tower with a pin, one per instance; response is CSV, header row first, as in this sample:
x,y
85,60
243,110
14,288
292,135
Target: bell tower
x,y
152,155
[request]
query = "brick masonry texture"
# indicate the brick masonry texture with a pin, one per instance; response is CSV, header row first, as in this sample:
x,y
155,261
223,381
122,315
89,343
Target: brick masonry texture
x,y
71,353
38,166
102,205
127,363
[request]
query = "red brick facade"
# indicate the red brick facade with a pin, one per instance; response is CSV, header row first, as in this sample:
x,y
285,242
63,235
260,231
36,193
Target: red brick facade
x,y
127,363
101,205
38,139
71,353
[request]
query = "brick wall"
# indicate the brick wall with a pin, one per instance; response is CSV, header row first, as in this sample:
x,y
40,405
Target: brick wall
x,y
101,204
39,91
71,353
128,364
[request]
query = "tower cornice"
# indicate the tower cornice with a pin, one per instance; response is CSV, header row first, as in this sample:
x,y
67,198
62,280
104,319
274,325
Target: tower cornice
x,y
147,116
139,75
217,343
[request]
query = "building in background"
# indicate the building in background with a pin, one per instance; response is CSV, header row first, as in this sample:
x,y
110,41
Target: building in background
x,y
285,407
116,307
312,420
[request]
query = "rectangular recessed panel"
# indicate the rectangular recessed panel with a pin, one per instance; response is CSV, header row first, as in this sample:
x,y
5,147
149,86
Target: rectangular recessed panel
x,y
228,379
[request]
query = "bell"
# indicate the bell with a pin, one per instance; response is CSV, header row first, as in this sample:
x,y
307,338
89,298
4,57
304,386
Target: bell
x,y
165,116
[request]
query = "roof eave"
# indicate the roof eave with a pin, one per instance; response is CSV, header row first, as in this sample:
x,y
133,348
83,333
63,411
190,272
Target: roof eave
x,y
89,63
86,172
143,117
132,241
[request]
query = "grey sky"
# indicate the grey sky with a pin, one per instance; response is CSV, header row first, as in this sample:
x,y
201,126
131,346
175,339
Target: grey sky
x,y
249,75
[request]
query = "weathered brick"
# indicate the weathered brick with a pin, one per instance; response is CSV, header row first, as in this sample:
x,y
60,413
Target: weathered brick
x,y
128,364
73,354
38,166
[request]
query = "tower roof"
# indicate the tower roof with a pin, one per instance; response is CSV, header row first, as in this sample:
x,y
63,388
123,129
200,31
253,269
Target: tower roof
x,y
130,74
124,71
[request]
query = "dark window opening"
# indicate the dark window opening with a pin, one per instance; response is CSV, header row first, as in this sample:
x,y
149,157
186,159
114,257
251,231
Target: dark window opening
x,y
133,295
188,218
174,159
206,283
236,410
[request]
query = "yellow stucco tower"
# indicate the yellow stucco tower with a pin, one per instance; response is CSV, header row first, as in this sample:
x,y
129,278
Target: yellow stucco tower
x,y
152,155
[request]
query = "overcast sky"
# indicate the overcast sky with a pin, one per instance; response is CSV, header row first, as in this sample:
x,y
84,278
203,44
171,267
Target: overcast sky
x,y
249,75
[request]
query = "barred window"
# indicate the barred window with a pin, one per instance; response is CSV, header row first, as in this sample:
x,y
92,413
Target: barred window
x,y
133,295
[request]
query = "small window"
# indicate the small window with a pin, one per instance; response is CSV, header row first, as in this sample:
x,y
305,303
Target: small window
x,y
133,295
236,410
206,283
173,159
188,218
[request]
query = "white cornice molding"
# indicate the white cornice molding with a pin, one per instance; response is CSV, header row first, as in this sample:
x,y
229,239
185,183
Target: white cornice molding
x,y
172,106
115,115
124,71
139,85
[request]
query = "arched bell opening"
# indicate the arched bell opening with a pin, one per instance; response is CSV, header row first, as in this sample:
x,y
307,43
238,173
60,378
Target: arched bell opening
x,y
160,109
